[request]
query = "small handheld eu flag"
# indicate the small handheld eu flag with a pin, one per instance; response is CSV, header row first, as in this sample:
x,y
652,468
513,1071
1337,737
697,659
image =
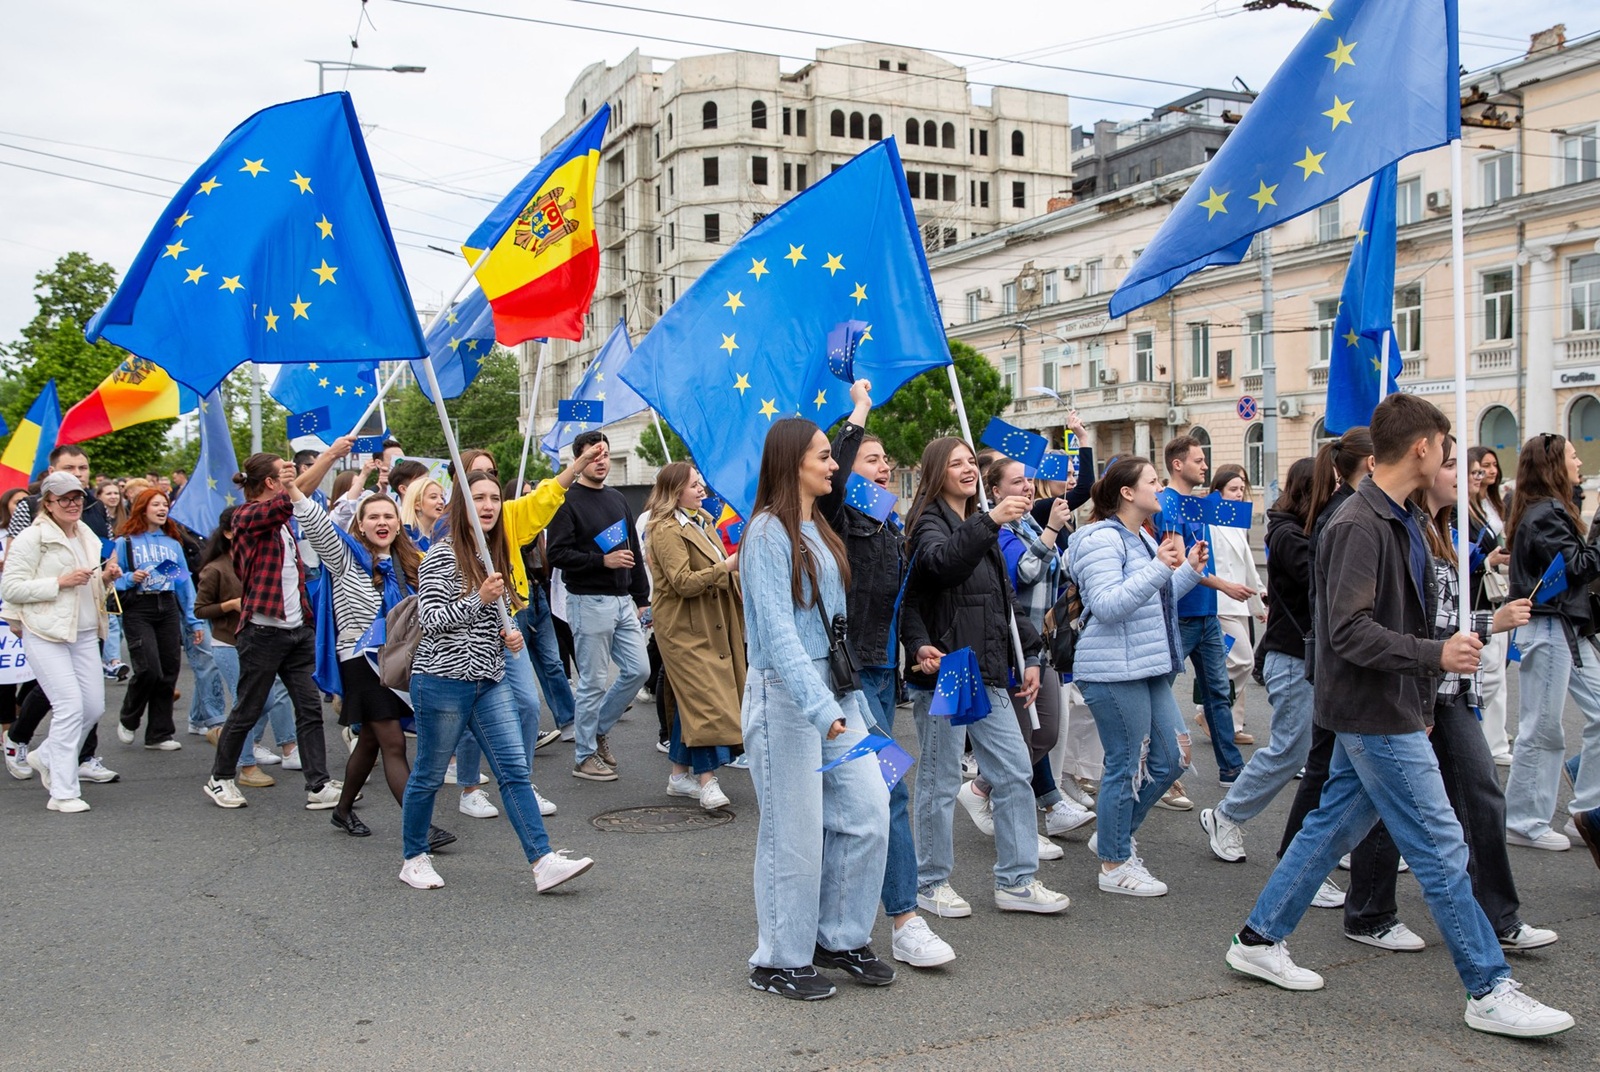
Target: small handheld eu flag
x,y
367,444
1018,443
613,537
958,694
1552,583
868,497
580,411
1054,467
1228,513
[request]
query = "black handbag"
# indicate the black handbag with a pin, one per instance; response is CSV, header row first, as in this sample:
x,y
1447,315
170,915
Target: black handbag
x,y
844,669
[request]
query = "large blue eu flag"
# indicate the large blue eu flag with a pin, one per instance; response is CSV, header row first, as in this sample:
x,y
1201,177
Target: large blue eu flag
x,y
211,489
280,254
1371,81
344,389
459,341
1366,314
750,341
602,382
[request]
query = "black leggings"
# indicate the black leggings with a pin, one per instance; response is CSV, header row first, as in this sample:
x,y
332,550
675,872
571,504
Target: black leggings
x,y
384,736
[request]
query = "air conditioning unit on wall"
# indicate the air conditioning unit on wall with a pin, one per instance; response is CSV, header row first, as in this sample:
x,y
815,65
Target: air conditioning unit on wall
x,y
1289,408
1177,416
1438,200
1071,271
1107,376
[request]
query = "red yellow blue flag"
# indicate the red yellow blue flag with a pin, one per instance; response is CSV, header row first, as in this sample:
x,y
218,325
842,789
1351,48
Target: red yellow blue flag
x,y
28,453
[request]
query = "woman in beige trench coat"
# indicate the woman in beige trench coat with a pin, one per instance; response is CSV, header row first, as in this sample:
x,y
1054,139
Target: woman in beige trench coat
x,y
699,629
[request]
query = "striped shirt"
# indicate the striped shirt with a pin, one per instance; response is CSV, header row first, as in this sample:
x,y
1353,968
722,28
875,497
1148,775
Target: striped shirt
x,y
1446,587
355,601
460,635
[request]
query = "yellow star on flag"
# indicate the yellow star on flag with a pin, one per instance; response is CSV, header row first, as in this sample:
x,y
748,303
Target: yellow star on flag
x,y
1377,365
339,390
303,182
866,336
1351,338
300,308
272,320
205,407
795,255
194,275
181,220
323,382
1215,203
175,249
455,344
821,399
360,391
229,499
1340,112
209,185
325,274
311,367
834,264
728,344
450,317
230,283
768,410
742,383
211,483
758,268
599,377
860,293
1360,234
600,396
325,227
733,301
1311,163
254,167
1263,196
1341,54
1327,13
472,346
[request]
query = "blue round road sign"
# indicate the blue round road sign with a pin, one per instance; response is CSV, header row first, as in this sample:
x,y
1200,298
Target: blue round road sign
x,y
1246,408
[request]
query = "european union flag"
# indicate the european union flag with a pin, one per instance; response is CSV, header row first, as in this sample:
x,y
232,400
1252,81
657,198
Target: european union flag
x,y
613,537
1370,82
843,342
1366,313
1552,583
1229,513
108,549
732,532
865,747
1178,509
958,694
458,342
342,391
310,422
368,444
211,489
1017,443
580,411
894,762
1054,467
748,342
281,253
601,383
868,497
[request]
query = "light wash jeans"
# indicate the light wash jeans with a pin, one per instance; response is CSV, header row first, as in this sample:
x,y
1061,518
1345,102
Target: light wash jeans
x,y
1548,677
900,871
77,700
1139,726
605,630
525,695
1394,778
279,713
1003,758
209,706
822,838
111,650
1204,651
445,706
1275,766
539,632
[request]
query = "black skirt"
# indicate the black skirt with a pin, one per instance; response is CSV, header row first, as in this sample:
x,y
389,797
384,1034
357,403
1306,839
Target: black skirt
x,y
365,697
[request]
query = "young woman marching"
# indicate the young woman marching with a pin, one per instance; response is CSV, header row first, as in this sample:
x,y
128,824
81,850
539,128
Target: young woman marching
x,y
1234,561
1489,531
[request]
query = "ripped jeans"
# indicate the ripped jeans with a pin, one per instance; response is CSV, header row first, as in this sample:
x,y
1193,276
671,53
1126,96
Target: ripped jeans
x,y
1139,725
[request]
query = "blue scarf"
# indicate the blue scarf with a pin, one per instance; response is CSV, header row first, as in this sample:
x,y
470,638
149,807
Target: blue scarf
x,y
326,673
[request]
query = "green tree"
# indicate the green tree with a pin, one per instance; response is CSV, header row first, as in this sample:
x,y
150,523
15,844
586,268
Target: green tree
x,y
485,416
923,409
650,446
52,346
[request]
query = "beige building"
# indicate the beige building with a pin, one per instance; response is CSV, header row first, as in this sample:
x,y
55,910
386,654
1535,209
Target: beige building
x,y
701,148
1033,295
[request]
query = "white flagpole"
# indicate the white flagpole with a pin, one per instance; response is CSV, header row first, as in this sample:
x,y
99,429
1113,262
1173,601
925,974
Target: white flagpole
x,y
1011,617
662,435
1458,272
533,409
1383,374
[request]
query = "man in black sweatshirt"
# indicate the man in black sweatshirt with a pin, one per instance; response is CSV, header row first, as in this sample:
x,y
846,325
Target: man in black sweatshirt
x,y
608,592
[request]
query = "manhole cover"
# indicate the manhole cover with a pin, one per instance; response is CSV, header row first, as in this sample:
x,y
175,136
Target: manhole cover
x,y
661,819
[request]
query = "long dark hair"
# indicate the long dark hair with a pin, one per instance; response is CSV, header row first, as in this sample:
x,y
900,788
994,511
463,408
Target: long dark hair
x,y
935,467
1295,498
778,494
1337,463
219,545
1542,474
1438,531
402,552
1106,495
463,519
1489,491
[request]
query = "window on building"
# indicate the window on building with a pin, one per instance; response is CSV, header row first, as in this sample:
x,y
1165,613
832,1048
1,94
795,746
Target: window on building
x,y
1583,292
930,186
711,170
1051,290
658,197
800,122
672,186
1320,436
1328,222
1578,157
836,123
658,249
834,167
913,132
1144,355
972,193
947,136
1200,351
1258,343
1093,276
1255,438
858,126
883,65
1135,175
1048,365
708,116
1008,375
1095,362
983,143
788,177
1157,169
1498,431
983,195
657,141
788,121
1008,298
1203,437
930,133
1019,195
1408,201
758,115
1583,431
1327,312
950,237
713,227
875,127
669,126
672,236
1408,318
902,66
757,217
948,187
972,140
800,175
914,183
1497,178
1017,143
1497,306
974,305
758,170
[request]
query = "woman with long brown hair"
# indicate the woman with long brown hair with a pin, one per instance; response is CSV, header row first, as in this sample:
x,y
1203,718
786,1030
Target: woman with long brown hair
x,y
1560,656
1488,531
823,836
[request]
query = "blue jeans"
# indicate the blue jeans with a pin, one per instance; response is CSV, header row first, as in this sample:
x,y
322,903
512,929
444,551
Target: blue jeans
x,y
111,650
210,704
519,675
1275,766
279,713
1003,758
1202,647
1547,678
900,872
822,838
1395,778
1139,725
444,707
539,632
605,630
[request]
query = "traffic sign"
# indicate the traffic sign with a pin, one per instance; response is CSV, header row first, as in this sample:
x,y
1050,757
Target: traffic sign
x,y
1246,408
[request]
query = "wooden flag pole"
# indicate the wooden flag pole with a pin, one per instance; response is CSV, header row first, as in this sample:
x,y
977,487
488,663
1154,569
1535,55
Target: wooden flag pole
x,y
533,408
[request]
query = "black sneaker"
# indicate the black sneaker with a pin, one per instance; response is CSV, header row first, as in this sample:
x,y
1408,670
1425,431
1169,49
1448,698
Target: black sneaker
x,y
438,838
800,984
862,964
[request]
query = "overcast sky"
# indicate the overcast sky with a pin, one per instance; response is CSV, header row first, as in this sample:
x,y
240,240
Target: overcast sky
x,y
152,86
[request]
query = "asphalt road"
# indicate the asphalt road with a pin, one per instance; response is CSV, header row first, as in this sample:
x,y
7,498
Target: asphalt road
x,y
159,932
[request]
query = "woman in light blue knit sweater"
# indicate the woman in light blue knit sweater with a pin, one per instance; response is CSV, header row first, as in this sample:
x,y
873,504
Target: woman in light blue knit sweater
x,y
1127,656
823,837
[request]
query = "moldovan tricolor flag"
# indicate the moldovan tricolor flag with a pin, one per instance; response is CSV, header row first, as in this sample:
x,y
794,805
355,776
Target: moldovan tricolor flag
x,y
28,453
543,255
137,391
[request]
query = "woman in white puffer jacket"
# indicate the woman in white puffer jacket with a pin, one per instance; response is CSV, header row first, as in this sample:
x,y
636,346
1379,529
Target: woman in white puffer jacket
x,y
54,595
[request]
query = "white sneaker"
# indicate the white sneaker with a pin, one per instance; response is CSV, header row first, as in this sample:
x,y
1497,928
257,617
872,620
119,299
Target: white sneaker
x,y
70,806
980,808
349,738
37,764
712,797
478,805
1527,936
1396,937
683,785
916,944
1093,845
1344,862
1065,816
266,757
418,873
969,765
1272,963
945,902
450,772
1225,836
547,807
1130,878
1074,792
1328,895
324,798
664,747
1571,830
124,734
554,868
1548,840
224,793
291,760
1506,1010
92,770
17,760
1049,850
1034,897
171,744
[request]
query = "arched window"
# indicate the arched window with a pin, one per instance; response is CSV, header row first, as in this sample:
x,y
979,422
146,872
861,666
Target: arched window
x,y
1583,429
758,115
1016,143
836,123
875,127
1497,430
1254,442
930,133
947,136
1320,436
913,132
708,116
1203,437
858,128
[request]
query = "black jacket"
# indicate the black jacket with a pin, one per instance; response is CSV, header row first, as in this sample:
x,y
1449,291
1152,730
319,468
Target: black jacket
x,y
1288,585
1544,531
961,594
586,514
877,560
1040,511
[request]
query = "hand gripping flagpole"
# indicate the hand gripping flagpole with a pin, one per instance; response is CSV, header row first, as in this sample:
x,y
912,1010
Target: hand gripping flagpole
x,y
1011,615
533,409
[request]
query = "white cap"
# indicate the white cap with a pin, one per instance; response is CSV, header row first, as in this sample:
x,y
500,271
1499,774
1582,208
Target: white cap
x,y
59,484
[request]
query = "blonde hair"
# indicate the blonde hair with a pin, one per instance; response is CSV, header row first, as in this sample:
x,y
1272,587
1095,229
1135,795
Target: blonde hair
x,y
413,496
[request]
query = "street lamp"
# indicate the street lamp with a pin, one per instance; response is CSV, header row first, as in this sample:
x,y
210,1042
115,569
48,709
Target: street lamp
x,y
341,65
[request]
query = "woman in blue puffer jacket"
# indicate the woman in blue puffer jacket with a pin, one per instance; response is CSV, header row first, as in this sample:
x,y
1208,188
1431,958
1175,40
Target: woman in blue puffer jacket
x,y
1127,656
